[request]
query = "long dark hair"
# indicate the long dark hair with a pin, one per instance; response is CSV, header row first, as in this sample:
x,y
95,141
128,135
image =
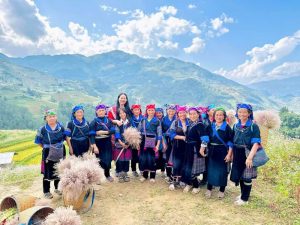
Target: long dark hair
x,y
126,106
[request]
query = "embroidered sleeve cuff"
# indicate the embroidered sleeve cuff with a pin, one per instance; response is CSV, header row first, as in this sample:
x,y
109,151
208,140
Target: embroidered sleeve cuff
x,y
118,136
37,141
204,139
92,133
255,140
67,133
172,136
112,130
230,144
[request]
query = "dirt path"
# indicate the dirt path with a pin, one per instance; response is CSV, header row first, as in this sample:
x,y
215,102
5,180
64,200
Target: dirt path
x,y
146,203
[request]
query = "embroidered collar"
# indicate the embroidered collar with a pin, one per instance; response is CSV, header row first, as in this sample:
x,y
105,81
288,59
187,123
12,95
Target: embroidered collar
x,y
248,123
222,127
79,124
49,129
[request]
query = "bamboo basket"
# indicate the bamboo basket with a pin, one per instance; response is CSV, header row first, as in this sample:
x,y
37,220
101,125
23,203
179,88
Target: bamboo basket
x,y
35,215
21,202
84,202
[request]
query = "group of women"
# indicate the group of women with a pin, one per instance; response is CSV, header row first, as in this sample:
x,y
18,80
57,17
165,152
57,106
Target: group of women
x,y
183,144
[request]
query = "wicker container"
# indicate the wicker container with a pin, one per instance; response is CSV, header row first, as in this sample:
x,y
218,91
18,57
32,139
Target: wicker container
x,y
21,202
35,215
84,202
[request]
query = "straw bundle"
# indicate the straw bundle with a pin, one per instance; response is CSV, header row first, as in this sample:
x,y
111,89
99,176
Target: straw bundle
x,y
231,119
266,120
77,175
63,216
132,137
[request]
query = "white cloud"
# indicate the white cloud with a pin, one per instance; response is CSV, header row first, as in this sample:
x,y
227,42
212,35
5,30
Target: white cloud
x,y
286,69
108,8
197,45
263,58
145,34
191,6
217,25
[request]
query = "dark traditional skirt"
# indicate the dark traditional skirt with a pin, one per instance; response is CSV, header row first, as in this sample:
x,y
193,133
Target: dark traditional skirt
x,y
80,146
124,156
193,165
147,158
239,170
161,161
177,157
105,152
169,149
217,167
48,167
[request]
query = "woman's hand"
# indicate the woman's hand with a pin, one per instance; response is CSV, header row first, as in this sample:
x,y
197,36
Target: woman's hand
x,y
95,149
119,123
156,148
202,151
164,147
71,152
101,132
249,162
227,158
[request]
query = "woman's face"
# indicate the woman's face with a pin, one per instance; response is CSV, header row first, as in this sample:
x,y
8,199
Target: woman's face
x,y
122,115
193,115
151,112
122,100
171,112
159,115
182,115
101,112
211,112
243,114
219,116
51,119
79,114
136,112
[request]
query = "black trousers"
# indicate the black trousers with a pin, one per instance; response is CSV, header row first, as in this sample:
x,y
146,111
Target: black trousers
x,y
146,174
46,185
134,160
246,187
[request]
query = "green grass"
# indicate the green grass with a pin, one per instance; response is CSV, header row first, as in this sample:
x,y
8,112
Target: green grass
x,y
19,176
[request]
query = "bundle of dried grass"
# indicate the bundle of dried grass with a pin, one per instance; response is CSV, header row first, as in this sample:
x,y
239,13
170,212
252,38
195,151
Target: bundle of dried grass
x,y
63,216
77,175
267,118
231,119
132,137
66,164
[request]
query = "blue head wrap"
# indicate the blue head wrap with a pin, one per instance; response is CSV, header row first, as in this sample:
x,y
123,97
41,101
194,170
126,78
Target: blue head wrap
x,y
75,109
244,106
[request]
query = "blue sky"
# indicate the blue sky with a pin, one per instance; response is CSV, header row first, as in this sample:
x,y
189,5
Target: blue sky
x,y
246,41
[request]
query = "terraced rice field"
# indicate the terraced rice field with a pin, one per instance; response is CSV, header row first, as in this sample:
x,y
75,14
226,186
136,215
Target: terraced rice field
x,y
22,143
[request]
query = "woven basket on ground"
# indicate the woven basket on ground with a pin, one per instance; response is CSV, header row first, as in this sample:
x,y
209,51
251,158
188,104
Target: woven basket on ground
x,y
84,202
21,202
35,215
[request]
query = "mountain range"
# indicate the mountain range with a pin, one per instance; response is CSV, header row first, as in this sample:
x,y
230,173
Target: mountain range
x,y
42,81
